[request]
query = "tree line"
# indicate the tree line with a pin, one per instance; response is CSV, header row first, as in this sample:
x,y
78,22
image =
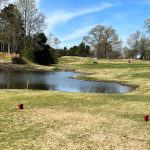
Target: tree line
x,y
81,50
104,42
22,31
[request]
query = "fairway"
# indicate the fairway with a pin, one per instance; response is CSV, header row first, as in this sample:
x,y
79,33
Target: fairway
x,y
80,121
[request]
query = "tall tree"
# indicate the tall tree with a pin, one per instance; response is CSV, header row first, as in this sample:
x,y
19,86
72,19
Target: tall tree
x,y
33,20
139,43
73,51
40,52
11,27
147,25
133,40
83,50
102,38
144,47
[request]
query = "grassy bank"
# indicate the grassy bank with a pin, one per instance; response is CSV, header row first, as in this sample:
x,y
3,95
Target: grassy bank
x,y
6,64
59,120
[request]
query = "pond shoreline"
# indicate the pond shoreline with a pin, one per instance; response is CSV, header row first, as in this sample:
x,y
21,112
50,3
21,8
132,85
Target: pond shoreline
x,y
134,87
9,67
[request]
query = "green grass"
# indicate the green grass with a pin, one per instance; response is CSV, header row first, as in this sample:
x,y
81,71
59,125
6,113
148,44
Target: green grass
x,y
61,120
145,75
114,66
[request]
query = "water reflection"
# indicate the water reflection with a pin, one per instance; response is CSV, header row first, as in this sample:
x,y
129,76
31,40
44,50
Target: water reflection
x,y
57,81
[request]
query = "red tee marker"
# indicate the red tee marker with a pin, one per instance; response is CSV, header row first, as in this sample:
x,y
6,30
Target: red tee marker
x,y
146,117
20,106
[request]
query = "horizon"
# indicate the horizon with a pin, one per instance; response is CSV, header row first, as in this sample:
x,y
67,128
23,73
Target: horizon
x,y
70,21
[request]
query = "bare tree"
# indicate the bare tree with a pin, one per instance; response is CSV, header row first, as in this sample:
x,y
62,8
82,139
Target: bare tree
x,y
103,39
33,20
133,40
118,47
139,43
53,41
147,25
144,47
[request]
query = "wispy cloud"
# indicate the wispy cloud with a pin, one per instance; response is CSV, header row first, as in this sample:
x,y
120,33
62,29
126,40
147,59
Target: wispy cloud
x,y
78,33
62,16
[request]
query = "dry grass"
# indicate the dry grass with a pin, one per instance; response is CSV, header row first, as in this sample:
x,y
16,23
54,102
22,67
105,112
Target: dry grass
x,y
61,128
74,130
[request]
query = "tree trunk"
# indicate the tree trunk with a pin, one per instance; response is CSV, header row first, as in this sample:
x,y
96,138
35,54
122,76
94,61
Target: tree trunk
x,y
8,48
1,46
14,43
105,53
142,55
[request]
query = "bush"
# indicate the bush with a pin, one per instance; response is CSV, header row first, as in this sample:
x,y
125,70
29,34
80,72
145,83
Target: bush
x,y
18,60
29,53
45,55
39,52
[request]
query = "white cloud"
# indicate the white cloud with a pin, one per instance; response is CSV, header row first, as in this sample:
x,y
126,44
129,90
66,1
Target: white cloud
x,y
62,16
77,33
76,36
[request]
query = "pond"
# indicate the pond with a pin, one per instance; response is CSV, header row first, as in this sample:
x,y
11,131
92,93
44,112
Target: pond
x,y
57,81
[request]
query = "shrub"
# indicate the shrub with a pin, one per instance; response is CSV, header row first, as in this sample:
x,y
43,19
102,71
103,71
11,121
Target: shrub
x,y
45,55
18,60
29,53
39,52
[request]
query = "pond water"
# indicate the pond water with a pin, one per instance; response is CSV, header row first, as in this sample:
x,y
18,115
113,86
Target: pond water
x,y
57,81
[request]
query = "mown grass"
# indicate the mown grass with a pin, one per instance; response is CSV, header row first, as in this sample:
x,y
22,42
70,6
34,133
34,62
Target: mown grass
x,y
74,121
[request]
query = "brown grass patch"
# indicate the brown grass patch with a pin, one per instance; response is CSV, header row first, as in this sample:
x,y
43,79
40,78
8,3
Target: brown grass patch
x,y
62,129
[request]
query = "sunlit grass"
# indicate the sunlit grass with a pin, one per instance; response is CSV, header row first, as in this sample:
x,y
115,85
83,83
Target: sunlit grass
x,y
61,120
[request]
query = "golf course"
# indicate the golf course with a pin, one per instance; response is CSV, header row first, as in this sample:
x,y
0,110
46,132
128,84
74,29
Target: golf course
x,y
55,120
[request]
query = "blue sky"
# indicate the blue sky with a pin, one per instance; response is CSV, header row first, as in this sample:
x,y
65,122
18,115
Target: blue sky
x,y
70,20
